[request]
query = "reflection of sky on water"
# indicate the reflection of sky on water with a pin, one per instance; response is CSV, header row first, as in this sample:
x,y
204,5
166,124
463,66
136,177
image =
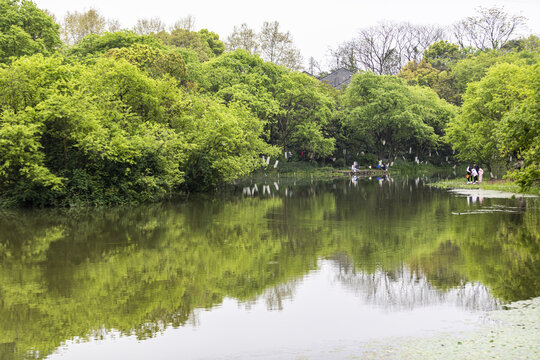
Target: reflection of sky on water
x,y
330,309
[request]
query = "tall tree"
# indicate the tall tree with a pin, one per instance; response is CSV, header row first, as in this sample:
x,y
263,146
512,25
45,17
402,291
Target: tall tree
x,y
383,49
217,46
149,26
345,56
77,25
295,107
25,30
278,47
490,105
414,39
390,117
491,28
377,48
243,38
314,67
185,23
442,54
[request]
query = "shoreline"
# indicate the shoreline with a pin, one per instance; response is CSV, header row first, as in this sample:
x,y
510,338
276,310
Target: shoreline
x,y
489,188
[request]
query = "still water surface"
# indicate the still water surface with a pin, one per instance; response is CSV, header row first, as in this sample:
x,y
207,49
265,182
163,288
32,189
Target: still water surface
x,y
280,270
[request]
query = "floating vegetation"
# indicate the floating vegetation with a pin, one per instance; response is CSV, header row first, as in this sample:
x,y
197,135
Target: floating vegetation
x,y
513,333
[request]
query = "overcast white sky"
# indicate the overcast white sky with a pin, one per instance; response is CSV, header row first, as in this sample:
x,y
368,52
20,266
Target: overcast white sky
x,y
315,25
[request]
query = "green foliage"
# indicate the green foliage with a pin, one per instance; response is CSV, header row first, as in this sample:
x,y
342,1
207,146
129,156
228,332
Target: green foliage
x,y
531,43
421,73
204,44
95,44
448,70
392,117
216,45
474,67
499,116
23,174
25,30
305,107
294,106
119,130
227,143
442,54
153,61
310,138
519,131
29,80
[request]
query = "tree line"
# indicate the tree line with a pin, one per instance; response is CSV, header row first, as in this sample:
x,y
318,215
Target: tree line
x,y
385,48
90,116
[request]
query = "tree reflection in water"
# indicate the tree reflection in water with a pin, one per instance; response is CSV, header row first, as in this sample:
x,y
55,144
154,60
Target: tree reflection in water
x,y
67,274
404,289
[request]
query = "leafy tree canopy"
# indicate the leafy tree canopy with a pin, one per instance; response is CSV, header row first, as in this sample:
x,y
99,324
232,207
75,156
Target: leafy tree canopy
x,y
25,30
281,98
95,44
500,118
391,117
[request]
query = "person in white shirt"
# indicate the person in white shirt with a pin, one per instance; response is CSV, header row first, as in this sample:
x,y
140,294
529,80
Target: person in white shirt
x,y
474,175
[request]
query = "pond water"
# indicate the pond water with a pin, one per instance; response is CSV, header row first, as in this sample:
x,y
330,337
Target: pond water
x,y
279,269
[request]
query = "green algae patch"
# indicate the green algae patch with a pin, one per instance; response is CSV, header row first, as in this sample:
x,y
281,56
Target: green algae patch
x,y
510,333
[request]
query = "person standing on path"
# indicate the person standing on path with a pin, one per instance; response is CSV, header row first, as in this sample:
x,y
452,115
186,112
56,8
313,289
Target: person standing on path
x,y
474,175
469,174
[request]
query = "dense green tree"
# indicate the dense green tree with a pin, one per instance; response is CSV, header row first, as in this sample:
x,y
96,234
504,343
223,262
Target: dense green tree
x,y
474,67
23,174
226,143
442,54
245,78
489,111
153,61
25,30
392,117
284,100
305,107
94,44
448,71
519,132
216,45
192,40
422,73
119,130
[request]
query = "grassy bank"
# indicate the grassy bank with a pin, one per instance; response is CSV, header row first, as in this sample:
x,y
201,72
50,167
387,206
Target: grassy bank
x,y
500,185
